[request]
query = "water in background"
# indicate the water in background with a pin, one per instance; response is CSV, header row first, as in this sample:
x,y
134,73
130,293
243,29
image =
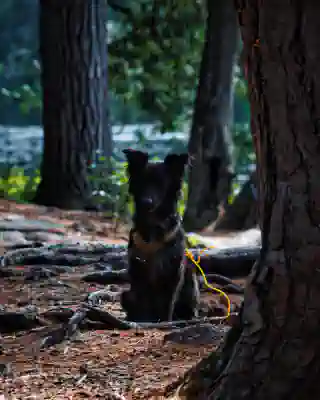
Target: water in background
x,y
23,145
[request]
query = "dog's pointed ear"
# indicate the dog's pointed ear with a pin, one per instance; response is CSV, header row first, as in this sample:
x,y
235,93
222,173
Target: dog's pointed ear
x,y
176,163
136,159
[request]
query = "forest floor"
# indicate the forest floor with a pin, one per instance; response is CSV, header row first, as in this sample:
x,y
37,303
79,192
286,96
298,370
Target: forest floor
x,y
95,363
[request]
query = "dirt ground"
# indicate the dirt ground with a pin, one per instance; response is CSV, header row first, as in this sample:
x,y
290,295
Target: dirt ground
x,y
94,364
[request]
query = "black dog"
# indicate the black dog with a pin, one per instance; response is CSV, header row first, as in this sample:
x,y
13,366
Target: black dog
x,y
163,287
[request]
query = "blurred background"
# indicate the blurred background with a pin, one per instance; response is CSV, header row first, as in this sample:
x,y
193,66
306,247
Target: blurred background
x,y
168,78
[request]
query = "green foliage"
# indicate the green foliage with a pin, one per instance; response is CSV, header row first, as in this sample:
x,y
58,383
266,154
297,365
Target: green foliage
x,y
183,199
29,98
154,57
154,50
16,185
111,189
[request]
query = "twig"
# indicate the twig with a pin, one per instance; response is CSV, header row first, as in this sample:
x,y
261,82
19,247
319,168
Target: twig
x,y
95,298
107,277
66,331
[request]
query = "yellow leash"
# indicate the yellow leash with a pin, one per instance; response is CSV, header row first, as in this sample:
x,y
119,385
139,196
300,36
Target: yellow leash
x,y
197,264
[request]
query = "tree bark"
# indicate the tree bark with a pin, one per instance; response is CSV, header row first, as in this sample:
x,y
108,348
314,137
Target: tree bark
x,y
211,167
275,354
241,214
73,53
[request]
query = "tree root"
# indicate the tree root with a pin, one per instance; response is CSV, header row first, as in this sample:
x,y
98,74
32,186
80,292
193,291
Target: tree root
x,y
63,254
235,262
66,331
106,320
24,319
41,272
107,277
95,298
46,262
226,284
204,375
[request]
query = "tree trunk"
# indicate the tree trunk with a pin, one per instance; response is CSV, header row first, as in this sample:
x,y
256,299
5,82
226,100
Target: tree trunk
x,y
241,214
73,52
275,354
211,168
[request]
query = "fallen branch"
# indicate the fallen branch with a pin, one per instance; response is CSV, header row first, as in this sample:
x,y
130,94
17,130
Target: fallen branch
x,y
65,332
99,315
110,321
107,277
95,298
180,323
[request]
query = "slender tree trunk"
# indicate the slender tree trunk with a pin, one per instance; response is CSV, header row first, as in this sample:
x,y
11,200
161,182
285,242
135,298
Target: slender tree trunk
x,y
211,168
73,51
275,353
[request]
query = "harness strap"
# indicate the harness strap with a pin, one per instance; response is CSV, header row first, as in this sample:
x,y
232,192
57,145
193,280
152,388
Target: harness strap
x,y
149,248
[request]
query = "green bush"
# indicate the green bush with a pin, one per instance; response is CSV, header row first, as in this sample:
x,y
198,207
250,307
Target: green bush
x,y
16,185
111,190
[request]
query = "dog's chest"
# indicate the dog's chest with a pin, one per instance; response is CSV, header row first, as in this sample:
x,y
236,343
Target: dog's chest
x,y
159,269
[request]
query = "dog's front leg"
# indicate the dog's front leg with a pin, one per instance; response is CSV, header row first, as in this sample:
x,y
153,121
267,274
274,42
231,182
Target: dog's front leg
x,y
136,301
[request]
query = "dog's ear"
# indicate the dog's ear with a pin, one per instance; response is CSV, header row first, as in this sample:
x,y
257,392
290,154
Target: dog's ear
x,y
176,164
136,159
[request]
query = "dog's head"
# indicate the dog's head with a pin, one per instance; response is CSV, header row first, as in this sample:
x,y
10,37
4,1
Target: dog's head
x,y
155,187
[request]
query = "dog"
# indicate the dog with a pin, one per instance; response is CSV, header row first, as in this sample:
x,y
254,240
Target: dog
x,y
163,287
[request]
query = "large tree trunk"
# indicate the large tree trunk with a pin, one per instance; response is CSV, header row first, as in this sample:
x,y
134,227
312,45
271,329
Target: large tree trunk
x,y
211,168
73,51
275,352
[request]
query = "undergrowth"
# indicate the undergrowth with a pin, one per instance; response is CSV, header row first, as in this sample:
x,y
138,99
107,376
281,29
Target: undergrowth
x,y
110,190
17,184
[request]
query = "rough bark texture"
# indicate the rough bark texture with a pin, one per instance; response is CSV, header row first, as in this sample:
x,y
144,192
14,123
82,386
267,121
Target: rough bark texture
x,y
241,214
210,142
73,53
276,353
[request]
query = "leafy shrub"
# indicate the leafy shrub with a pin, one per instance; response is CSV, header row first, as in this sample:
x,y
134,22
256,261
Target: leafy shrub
x,y
111,189
16,185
